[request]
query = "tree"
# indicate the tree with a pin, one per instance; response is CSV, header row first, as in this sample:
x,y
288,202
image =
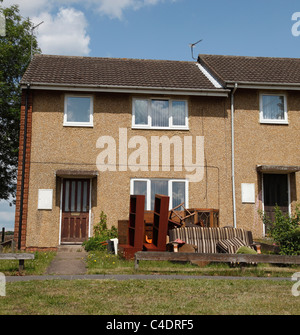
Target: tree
x,y
15,52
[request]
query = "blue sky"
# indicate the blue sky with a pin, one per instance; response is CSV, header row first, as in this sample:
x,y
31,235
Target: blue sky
x,y
160,29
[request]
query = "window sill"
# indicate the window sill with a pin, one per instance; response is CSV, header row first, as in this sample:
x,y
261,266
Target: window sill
x,y
283,122
73,124
159,128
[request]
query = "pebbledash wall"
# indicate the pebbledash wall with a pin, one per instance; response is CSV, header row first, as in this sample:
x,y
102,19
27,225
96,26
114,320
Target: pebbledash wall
x,y
52,147
263,144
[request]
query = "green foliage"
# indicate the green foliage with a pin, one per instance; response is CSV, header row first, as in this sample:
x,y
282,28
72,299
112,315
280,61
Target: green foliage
x,y
285,230
101,234
15,51
246,250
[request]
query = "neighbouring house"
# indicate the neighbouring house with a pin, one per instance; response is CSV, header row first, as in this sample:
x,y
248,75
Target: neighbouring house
x,y
221,133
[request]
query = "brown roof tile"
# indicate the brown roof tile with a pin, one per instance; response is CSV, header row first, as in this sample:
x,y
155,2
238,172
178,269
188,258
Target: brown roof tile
x,y
115,72
253,69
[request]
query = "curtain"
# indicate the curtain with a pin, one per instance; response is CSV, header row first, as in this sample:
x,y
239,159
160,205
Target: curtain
x,y
158,187
141,112
160,113
178,194
273,107
178,112
140,188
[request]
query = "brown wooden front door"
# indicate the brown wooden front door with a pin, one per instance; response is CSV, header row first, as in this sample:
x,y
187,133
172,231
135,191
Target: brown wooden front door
x,y
75,210
275,193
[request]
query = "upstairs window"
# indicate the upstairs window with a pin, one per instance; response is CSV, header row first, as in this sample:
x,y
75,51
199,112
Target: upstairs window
x,y
159,114
273,108
78,111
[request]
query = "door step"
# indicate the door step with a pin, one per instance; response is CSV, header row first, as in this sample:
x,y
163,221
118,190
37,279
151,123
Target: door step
x,y
70,248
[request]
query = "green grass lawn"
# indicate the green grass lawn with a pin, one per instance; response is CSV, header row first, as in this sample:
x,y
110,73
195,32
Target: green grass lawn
x,y
100,262
150,297
36,266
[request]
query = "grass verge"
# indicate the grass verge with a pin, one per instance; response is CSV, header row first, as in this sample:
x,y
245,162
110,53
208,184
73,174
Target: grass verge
x,y
100,262
150,297
36,266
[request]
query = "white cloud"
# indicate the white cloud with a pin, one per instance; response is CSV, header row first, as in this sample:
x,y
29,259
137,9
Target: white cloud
x,y
65,29
29,8
64,33
115,8
111,8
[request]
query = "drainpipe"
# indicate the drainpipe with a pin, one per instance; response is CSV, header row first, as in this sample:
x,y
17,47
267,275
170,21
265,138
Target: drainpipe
x,y
232,155
23,167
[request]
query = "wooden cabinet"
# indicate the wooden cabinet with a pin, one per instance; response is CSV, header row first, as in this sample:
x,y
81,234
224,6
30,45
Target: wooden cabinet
x,y
135,230
136,221
160,224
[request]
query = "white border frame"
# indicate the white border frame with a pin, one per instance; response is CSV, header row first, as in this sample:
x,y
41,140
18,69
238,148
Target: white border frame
x,y
170,181
79,124
149,126
273,121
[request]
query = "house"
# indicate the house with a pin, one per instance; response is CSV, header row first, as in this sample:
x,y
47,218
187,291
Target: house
x,y
221,133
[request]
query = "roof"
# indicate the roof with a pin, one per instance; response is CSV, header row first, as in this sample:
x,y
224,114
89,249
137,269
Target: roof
x,y
115,72
254,70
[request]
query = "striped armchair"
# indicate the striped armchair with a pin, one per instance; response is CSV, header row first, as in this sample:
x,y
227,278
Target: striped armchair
x,y
214,239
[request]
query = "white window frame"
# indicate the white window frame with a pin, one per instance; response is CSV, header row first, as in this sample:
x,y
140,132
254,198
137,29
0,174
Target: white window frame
x,y
273,121
149,126
79,124
170,189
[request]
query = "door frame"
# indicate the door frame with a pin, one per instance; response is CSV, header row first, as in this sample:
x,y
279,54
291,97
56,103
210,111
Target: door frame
x,y
60,209
263,197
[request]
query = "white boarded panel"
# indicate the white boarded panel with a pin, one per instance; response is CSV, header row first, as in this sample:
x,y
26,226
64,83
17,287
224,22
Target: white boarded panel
x,y
248,193
45,199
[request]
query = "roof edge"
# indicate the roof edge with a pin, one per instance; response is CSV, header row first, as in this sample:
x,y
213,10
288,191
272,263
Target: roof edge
x,y
211,71
125,89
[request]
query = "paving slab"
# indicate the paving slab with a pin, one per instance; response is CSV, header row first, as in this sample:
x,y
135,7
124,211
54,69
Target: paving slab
x,y
69,260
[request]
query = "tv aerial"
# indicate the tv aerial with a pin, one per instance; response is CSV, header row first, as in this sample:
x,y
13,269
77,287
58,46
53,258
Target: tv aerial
x,y
32,29
192,48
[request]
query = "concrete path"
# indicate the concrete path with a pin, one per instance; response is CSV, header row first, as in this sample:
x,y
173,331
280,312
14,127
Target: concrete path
x,y
69,260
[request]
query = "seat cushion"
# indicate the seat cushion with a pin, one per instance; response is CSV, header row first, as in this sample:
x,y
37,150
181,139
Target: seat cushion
x,y
207,246
230,246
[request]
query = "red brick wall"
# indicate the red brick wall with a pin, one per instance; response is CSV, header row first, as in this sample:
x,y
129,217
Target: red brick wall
x,y
27,170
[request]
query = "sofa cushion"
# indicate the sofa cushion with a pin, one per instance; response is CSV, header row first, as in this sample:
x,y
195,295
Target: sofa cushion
x,y
230,245
207,246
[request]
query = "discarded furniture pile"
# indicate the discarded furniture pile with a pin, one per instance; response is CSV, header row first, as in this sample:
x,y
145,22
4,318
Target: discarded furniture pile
x,y
155,239
214,239
188,230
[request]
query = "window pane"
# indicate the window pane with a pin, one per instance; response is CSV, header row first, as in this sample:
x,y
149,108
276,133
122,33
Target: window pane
x,y
178,194
73,196
79,196
85,197
141,112
178,112
78,109
273,107
67,192
140,188
160,113
158,187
